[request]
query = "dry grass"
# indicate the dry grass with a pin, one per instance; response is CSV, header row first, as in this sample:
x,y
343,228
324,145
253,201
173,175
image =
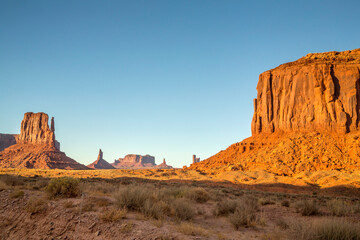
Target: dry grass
x,y
245,213
198,194
113,215
132,197
64,187
339,208
35,205
324,229
17,194
307,208
225,207
191,229
183,209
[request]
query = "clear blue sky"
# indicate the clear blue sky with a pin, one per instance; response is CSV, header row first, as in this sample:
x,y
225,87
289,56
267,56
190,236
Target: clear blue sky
x,y
166,78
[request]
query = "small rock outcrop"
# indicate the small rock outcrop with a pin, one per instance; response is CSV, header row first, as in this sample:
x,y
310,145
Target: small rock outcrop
x,y
135,161
36,147
195,159
163,165
100,163
306,118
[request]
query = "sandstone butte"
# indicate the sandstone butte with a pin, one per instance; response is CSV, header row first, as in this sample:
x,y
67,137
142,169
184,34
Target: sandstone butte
x,y
100,163
135,161
306,118
35,146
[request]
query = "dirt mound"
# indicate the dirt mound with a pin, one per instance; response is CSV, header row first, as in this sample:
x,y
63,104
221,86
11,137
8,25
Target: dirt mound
x,y
306,118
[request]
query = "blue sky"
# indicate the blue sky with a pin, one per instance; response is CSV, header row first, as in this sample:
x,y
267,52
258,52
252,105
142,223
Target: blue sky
x,y
166,78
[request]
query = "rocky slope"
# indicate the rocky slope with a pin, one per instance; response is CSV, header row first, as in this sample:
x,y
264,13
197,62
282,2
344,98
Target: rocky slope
x,y
306,118
36,147
100,163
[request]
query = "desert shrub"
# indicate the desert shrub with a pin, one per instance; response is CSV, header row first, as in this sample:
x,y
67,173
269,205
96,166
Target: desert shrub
x,y
338,208
113,215
3,186
17,194
281,223
98,189
191,229
285,203
324,229
40,184
225,207
245,213
11,180
173,192
266,201
198,194
183,209
35,205
64,187
155,209
132,197
307,208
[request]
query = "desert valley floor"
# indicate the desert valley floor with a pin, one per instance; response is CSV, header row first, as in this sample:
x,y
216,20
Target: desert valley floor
x,y
170,204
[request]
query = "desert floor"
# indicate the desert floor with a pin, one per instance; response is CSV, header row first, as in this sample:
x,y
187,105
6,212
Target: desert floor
x,y
175,204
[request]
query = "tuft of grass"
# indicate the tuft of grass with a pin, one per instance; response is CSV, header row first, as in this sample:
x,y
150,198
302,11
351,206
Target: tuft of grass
x,y
17,194
324,229
183,209
113,215
198,194
64,187
191,229
35,205
307,208
339,208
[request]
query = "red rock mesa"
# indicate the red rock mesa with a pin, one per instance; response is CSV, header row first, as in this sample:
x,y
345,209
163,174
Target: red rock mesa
x,y
306,118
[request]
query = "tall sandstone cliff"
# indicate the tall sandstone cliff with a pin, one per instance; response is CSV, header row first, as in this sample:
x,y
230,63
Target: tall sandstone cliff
x,y
36,147
306,118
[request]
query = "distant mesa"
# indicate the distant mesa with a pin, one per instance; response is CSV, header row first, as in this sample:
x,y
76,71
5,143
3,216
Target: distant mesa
x,y
35,146
306,118
100,163
135,161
